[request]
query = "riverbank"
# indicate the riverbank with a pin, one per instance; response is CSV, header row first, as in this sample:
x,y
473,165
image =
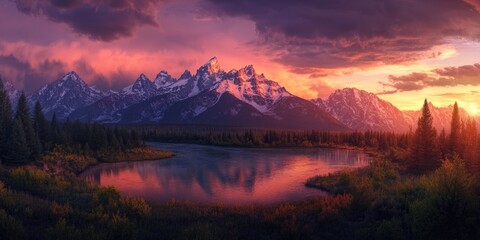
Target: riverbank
x,y
373,152
63,161
136,154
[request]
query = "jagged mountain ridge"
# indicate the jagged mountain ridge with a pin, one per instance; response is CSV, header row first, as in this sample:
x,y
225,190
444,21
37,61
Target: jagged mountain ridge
x,y
361,110
223,98
238,97
65,95
211,96
105,109
110,109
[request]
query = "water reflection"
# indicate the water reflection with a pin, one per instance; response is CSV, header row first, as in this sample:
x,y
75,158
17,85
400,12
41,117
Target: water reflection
x,y
225,175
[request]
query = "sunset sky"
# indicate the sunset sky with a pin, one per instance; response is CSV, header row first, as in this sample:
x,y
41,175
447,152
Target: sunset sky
x,y
404,50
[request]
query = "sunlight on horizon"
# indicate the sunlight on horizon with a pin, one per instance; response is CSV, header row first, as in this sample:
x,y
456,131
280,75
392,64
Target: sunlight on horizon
x,y
472,109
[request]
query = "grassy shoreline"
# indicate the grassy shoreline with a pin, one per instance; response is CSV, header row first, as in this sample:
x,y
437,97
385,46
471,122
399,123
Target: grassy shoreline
x,y
63,161
368,150
138,154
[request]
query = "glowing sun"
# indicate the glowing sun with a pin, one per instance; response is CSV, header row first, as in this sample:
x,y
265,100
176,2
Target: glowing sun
x,y
473,109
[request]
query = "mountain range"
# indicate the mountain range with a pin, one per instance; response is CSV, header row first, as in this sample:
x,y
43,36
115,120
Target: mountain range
x,y
234,98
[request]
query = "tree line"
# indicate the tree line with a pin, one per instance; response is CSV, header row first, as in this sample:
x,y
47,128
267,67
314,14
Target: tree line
x,y
232,136
26,136
428,149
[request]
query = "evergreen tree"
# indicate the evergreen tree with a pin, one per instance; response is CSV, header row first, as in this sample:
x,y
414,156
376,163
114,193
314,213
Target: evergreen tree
x,y
41,126
469,136
55,131
17,147
455,130
136,139
443,143
6,116
424,151
23,115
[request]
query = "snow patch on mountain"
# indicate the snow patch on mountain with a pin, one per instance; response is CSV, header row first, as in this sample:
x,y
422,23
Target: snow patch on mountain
x,y
163,79
12,92
251,88
361,110
65,95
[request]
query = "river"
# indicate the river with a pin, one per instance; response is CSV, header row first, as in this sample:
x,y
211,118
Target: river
x,y
226,175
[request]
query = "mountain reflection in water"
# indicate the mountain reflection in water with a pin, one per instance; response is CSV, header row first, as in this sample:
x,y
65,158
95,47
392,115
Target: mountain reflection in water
x,y
210,174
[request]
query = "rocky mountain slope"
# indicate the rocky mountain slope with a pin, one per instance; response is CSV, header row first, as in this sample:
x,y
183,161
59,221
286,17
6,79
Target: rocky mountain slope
x,y
362,110
239,97
65,95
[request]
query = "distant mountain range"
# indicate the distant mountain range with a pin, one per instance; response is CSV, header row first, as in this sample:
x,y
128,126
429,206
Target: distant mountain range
x,y
235,98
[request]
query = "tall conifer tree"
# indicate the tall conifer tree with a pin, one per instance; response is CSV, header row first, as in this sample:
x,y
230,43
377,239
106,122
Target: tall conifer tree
x,y
425,154
17,150
55,132
6,116
23,115
41,126
455,131
443,143
469,137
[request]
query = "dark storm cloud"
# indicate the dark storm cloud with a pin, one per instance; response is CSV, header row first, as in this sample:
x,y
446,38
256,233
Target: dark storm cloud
x,y
475,3
24,76
29,78
440,77
351,33
104,20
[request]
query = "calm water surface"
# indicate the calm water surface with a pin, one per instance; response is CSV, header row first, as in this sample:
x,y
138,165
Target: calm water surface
x,y
210,174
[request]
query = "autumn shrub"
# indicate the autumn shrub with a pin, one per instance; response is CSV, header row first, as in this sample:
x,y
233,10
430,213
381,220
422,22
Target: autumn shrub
x,y
199,230
60,211
107,199
120,227
391,229
65,159
132,154
10,228
38,182
382,173
62,230
336,183
136,208
335,205
449,209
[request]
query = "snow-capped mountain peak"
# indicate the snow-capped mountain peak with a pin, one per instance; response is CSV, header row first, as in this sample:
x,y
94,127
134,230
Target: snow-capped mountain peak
x,y
211,66
72,75
362,110
251,88
247,72
163,79
141,86
65,95
186,75
240,97
71,80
